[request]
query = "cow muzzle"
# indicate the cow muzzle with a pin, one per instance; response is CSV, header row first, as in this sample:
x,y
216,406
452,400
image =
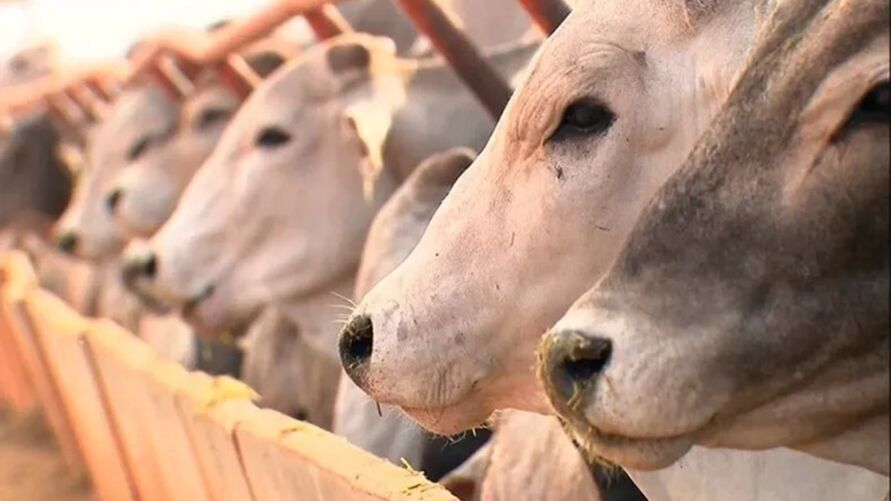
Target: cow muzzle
x,y
136,270
571,362
356,345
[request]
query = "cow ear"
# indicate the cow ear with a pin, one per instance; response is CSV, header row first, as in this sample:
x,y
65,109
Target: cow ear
x,y
348,56
264,62
357,52
268,54
369,121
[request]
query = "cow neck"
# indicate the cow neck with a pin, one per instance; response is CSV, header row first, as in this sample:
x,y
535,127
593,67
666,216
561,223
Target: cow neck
x,y
435,99
318,314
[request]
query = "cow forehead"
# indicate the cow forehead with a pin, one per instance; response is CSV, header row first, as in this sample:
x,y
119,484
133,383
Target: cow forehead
x,y
211,97
137,113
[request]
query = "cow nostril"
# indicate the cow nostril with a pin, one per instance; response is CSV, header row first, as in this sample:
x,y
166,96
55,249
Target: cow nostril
x,y
113,199
356,345
574,359
150,266
140,267
67,242
586,358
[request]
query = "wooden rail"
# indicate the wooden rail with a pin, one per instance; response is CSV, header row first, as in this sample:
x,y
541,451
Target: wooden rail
x,y
144,428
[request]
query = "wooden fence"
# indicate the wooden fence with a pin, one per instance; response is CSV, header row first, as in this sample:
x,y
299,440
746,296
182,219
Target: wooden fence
x,y
147,429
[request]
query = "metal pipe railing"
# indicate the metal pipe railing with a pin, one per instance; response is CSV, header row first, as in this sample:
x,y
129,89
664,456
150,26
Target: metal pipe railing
x,y
324,19
546,14
451,42
175,62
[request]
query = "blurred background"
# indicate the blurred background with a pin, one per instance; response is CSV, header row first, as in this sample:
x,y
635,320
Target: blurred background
x,y
95,30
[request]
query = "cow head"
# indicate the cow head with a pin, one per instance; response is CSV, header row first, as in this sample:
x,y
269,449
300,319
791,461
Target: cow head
x,y
139,119
29,63
608,111
749,308
146,190
278,210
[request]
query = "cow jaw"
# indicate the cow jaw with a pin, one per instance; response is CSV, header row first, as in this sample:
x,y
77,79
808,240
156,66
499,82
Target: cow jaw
x,y
535,220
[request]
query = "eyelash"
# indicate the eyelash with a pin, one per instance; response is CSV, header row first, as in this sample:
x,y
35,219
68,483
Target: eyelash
x,y
584,118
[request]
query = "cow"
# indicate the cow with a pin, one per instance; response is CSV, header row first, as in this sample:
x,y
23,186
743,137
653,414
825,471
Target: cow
x,y
608,112
29,63
286,175
614,102
749,308
292,159
528,456
138,117
394,232
146,189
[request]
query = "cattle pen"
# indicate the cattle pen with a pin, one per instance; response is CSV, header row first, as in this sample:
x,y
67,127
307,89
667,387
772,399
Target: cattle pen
x,y
145,428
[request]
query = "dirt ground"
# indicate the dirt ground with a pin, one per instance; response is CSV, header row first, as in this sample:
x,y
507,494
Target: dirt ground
x,y
31,468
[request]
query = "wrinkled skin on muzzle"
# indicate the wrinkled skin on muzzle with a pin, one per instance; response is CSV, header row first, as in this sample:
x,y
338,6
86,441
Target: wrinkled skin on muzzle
x,y
750,307
610,108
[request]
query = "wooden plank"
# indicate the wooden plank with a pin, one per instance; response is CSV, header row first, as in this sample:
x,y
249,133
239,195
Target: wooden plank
x,y
20,279
118,357
211,411
16,389
289,459
180,463
59,329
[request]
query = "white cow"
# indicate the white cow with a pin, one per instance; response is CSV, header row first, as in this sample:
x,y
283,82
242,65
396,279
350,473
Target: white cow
x,y
614,103
393,234
288,174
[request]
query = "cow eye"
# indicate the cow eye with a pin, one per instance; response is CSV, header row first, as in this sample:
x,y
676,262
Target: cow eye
x,y
138,148
875,105
211,117
584,118
19,64
272,137
873,108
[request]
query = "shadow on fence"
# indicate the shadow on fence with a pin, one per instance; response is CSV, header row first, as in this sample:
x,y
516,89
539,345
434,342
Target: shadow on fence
x,y
147,429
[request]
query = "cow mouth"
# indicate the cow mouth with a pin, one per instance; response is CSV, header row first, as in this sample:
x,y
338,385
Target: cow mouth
x,y
640,453
132,283
649,452
450,419
191,305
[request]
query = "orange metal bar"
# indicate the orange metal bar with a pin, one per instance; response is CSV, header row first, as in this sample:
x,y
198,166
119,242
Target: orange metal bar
x,y
173,78
489,87
238,75
327,22
324,19
547,14
63,109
